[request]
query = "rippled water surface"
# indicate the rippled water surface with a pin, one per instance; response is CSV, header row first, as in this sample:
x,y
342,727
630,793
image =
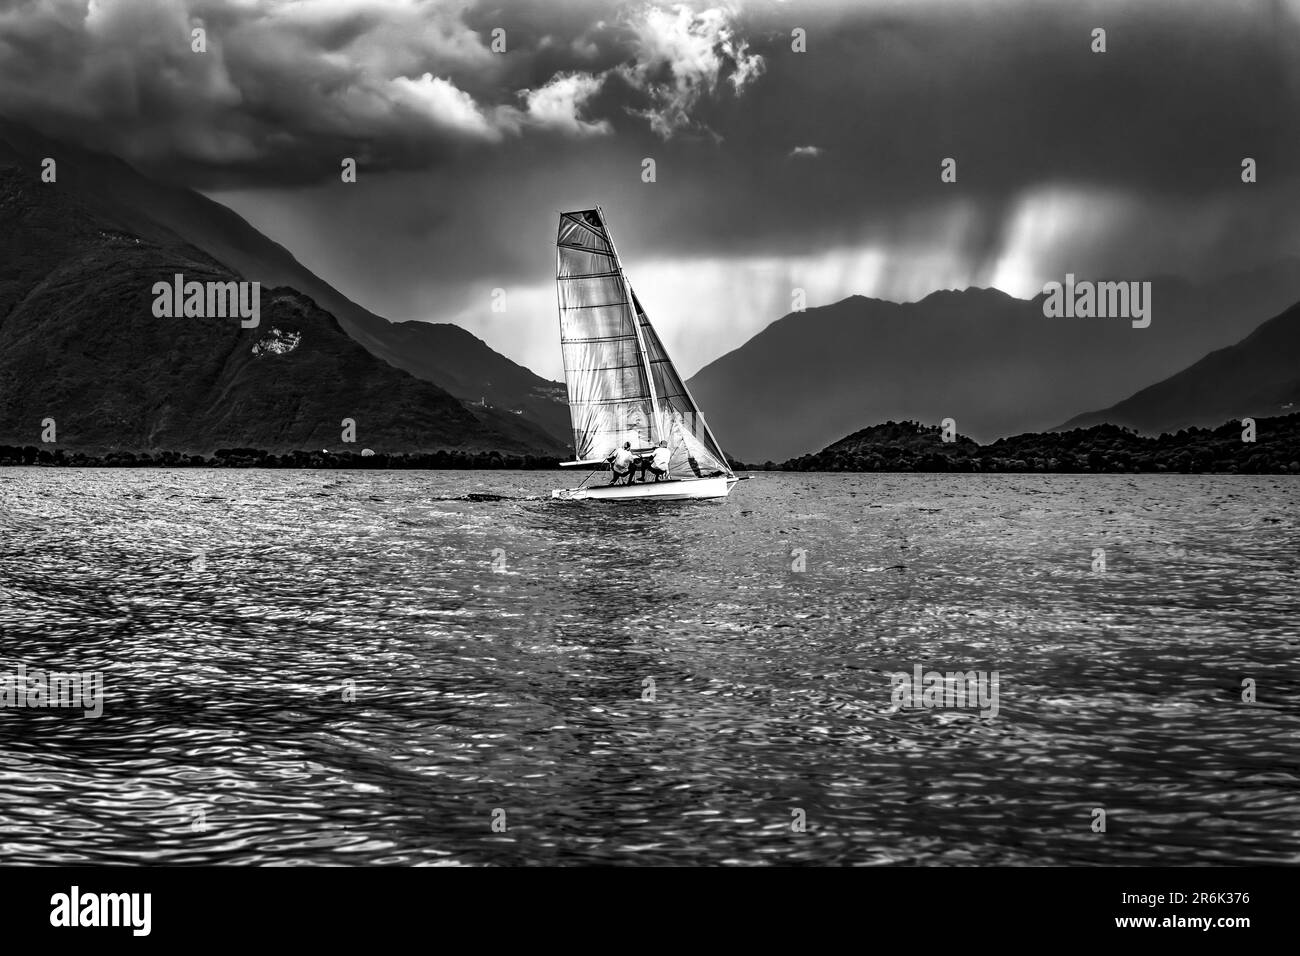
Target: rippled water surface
x,y
499,653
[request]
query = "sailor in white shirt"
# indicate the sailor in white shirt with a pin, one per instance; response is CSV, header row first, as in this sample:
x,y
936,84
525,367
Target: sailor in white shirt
x,y
621,463
658,461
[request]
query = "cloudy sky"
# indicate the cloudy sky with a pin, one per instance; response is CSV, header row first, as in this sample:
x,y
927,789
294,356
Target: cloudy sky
x,y
775,169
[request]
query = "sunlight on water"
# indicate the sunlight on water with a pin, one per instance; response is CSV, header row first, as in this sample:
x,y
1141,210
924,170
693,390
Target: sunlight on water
x,y
341,667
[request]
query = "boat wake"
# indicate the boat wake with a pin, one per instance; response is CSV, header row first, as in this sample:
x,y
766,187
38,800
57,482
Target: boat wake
x,y
486,496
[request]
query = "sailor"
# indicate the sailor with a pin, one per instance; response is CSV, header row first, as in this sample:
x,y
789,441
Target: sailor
x,y
621,463
658,462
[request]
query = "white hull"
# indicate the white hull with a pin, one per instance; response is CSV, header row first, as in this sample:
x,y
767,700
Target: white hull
x,y
677,489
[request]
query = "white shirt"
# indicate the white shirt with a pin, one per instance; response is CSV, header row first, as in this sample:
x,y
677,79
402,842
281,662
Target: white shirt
x,y
660,459
622,458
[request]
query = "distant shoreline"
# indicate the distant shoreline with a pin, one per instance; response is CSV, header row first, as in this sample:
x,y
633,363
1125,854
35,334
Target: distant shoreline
x,y
1265,446
747,471
31,456
892,447
339,466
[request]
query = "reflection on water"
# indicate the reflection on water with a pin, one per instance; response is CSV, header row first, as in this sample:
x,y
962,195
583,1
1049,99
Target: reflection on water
x,y
362,667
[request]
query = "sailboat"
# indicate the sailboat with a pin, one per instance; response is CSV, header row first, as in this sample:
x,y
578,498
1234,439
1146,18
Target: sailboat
x,y
623,387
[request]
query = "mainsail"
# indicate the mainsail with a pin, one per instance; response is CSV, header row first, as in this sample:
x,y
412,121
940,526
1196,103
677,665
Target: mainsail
x,y
622,384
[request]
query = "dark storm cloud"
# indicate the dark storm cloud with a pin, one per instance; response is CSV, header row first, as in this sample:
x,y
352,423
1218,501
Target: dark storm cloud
x,y
1015,95
885,90
467,153
282,89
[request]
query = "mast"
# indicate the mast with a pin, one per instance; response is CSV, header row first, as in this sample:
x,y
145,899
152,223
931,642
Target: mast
x,y
636,327
559,308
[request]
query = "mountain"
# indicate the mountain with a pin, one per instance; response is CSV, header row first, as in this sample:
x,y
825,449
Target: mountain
x,y
992,362
446,355
1257,377
467,367
80,344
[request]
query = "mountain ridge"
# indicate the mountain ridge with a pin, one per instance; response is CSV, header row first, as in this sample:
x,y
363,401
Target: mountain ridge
x,y
989,360
80,345
164,211
1256,377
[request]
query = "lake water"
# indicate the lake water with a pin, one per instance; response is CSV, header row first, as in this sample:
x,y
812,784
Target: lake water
x,y
357,667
